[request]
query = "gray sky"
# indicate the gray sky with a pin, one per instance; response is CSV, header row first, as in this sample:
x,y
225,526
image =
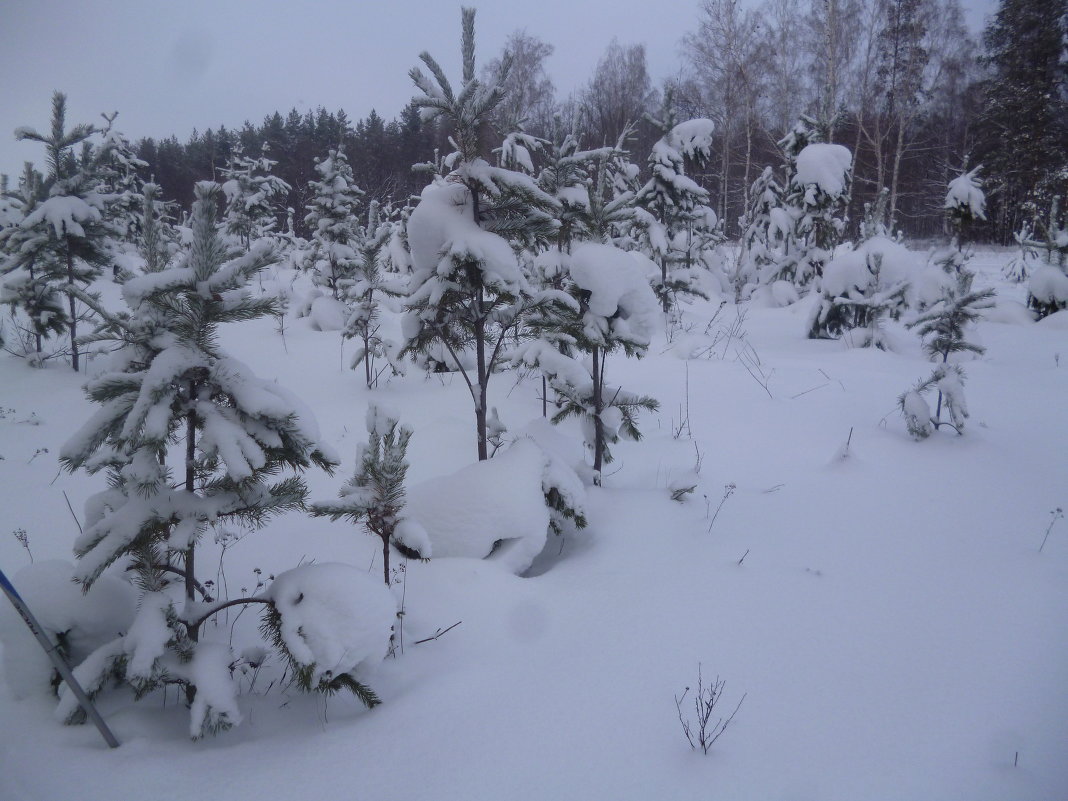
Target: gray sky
x,y
169,67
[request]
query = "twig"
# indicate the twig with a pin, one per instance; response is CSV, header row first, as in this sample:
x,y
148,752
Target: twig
x,y
743,557
78,524
439,633
799,394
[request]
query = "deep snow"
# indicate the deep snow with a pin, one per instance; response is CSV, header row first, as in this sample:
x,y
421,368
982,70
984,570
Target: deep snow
x,y
883,605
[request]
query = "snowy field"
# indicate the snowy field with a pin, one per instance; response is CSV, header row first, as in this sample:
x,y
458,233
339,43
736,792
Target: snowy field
x,y
881,603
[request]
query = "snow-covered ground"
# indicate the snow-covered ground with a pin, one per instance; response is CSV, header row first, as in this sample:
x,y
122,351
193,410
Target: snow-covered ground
x,y
882,604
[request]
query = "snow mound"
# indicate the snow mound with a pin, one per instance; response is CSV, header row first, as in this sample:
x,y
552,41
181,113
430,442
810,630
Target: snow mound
x,y
495,508
1057,320
327,314
824,165
335,617
849,274
619,291
1010,312
1049,285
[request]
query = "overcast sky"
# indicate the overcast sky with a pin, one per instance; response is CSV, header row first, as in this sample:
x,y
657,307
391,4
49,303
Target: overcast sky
x,y
169,67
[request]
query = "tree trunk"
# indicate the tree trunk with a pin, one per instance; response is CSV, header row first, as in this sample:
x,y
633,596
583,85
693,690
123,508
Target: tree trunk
x,y
899,152
73,312
598,407
385,558
192,630
483,377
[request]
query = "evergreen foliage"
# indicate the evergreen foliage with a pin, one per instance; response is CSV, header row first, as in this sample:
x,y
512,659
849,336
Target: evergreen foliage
x,y
374,496
62,242
1023,125
467,291
252,196
332,220
169,382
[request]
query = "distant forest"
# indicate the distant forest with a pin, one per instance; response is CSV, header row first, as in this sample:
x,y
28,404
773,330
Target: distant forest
x,y
901,83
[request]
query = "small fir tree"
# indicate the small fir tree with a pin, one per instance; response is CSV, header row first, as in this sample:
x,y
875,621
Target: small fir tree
x,y
670,206
63,240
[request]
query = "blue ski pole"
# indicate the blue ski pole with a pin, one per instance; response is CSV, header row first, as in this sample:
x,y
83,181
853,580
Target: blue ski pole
x,y
51,649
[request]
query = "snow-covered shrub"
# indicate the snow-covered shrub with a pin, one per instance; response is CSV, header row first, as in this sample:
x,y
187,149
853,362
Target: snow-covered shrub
x,y
965,204
606,305
875,281
670,208
374,496
329,619
502,509
948,381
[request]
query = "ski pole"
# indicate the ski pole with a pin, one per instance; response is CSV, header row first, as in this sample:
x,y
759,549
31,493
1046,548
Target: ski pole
x,y
57,659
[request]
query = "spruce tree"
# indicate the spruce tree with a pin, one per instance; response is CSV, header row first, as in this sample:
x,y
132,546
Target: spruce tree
x,y
467,290
943,329
364,294
170,383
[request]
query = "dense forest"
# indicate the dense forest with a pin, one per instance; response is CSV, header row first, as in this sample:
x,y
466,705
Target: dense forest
x,y
901,83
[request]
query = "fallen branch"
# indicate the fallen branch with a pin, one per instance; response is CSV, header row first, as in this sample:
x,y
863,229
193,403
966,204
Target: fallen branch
x,y
439,633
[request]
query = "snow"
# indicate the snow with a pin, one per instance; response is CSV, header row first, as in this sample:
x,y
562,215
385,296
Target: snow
x,y
895,627
825,166
618,290
443,236
65,213
495,507
964,193
1049,285
335,617
849,274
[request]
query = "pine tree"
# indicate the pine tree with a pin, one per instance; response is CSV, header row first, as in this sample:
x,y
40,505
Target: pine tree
x,y
332,220
815,197
609,307
365,293
374,496
252,195
467,289
670,205
62,241
943,330
171,383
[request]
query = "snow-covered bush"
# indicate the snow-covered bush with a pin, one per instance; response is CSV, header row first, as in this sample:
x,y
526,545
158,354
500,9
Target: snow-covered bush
x,y
328,620
670,208
948,381
606,305
502,509
875,281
